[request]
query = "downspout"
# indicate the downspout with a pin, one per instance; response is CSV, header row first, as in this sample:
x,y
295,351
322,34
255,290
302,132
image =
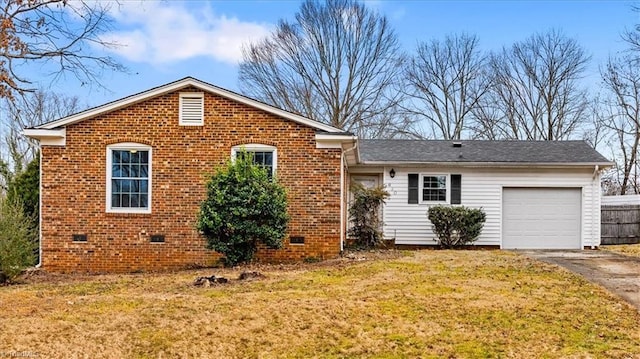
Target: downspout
x,y
343,227
39,210
594,209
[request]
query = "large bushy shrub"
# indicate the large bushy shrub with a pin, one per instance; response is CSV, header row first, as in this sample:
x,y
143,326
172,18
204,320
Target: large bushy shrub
x,y
18,239
244,206
456,226
364,214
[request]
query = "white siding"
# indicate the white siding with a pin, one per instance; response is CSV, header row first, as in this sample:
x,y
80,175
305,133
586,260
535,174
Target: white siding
x,y
482,188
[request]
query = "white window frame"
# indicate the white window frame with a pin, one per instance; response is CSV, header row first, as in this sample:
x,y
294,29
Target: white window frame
x,y
257,147
191,122
447,188
128,146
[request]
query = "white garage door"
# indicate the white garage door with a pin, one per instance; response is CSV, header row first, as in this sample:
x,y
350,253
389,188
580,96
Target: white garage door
x,y
539,218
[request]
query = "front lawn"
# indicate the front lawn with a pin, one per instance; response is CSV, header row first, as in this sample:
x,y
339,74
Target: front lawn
x,y
473,304
626,249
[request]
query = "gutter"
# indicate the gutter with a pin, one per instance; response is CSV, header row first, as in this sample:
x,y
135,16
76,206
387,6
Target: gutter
x,y
594,209
39,264
343,227
488,164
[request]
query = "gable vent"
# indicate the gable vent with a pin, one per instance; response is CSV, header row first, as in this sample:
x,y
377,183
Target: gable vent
x,y
192,109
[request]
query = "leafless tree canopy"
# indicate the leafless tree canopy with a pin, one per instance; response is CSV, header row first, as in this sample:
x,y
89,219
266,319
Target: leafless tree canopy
x,y
27,111
535,93
337,63
621,77
55,34
445,82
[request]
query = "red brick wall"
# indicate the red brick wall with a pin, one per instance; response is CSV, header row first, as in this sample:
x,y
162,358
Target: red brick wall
x,y
74,187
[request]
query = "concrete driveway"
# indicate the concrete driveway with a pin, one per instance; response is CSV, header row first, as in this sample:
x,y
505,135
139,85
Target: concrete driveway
x,y
618,273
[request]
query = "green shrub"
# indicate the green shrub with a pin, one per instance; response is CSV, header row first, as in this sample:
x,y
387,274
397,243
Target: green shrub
x,y
456,226
24,187
364,214
18,239
244,206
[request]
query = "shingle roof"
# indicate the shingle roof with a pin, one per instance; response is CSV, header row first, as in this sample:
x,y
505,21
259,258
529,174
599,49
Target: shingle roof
x,y
442,151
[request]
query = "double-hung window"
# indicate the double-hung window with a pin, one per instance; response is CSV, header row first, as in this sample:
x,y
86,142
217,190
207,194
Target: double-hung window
x,y
263,155
430,188
434,188
129,178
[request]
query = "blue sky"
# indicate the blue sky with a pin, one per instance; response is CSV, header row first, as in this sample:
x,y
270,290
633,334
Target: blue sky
x,y
162,41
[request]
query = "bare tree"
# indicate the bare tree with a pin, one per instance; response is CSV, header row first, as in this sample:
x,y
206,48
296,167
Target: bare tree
x,y
536,93
337,63
56,35
595,129
29,110
621,77
445,82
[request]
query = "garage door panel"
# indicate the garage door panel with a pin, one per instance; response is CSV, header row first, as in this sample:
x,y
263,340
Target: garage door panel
x,y
538,218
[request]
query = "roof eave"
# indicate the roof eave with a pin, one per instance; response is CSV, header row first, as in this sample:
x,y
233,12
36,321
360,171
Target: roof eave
x,y
335,140
601,165
47,137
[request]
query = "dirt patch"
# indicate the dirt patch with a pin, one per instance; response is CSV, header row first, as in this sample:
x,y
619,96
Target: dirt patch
x,y
620,274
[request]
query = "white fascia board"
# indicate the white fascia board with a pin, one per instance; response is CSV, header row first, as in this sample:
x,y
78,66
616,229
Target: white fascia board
x,y
329,140
189,81
56,137
488,164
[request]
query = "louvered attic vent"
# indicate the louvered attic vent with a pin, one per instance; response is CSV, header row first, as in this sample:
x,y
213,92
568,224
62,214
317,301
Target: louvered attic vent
x,y
192,109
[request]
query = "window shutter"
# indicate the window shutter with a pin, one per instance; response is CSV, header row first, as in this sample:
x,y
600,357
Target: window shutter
x,y
456,189
414,188
191,109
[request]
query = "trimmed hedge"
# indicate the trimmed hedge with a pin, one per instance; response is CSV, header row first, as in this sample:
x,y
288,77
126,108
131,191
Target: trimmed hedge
x,y
456,226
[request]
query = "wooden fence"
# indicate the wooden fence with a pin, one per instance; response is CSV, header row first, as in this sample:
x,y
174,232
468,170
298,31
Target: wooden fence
x,y
620,224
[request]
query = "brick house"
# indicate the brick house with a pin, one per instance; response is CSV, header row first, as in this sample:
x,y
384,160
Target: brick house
x,y
121,183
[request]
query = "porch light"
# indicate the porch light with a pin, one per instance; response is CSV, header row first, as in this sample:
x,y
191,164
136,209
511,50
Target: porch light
x,y
392,173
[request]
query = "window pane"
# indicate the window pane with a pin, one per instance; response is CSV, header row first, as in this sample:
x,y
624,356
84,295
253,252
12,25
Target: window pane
x,y
143,200
124,156
115,200
134,171
124,170
125,186
259,158
134,200
115,157
135,187
144,156
134,157
144,170
124,200
268,158
144,186
115,186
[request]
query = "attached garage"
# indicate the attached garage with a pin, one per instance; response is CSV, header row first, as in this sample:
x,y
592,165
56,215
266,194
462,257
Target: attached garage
x,y
541,218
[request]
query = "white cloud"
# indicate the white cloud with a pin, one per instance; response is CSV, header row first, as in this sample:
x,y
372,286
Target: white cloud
x,y
166,32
